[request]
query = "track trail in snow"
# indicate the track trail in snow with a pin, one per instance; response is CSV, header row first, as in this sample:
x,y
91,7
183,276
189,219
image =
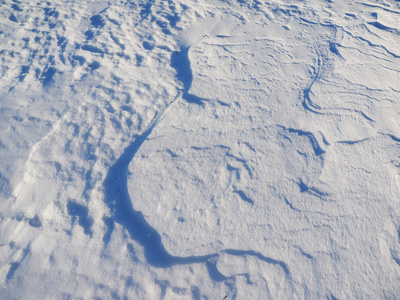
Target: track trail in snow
x,y
106,99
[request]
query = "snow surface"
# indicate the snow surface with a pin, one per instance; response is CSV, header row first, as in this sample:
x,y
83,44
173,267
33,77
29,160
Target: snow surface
x,y
197,149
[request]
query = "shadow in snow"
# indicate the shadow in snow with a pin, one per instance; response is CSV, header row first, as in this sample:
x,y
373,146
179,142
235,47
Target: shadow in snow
x,y
181,63
314,142
269,260
118,200
97,21
80,213
244,197
47,76
15,265
146,9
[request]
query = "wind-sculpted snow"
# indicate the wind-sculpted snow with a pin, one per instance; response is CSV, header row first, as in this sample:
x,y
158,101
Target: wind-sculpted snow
x,y
199,149
186,184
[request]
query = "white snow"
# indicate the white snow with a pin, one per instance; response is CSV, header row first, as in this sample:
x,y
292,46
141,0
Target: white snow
x,y
200,149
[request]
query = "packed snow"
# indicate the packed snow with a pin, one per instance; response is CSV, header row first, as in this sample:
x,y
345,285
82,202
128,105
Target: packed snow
x,y
200,149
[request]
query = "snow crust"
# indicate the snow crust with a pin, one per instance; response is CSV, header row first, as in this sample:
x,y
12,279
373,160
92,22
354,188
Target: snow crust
x,y
200,149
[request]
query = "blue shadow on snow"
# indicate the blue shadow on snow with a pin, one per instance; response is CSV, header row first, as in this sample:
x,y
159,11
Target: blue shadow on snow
x,y
119,202
181,63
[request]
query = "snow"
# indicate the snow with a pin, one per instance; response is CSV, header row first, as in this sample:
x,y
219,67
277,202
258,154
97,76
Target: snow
x,y
199,149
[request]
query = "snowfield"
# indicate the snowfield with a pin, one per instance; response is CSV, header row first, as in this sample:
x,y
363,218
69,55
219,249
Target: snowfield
x,y
197,149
